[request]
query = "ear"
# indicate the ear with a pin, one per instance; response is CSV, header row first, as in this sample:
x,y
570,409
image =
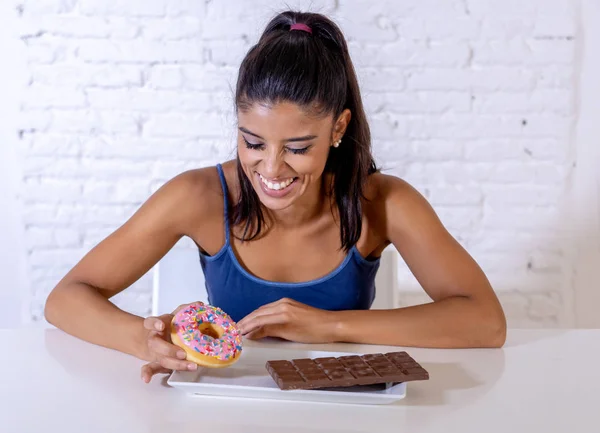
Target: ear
x,y
339,128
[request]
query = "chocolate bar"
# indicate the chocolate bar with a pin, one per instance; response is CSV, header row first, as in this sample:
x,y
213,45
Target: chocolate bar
x,y
345,371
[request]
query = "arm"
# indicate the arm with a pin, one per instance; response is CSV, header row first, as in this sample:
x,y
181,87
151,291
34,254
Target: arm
x,y
465,311
80,303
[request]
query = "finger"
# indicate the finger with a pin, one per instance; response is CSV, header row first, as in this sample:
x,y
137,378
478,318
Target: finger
x,y
264,320
162,348
151,369
177,364
154,323
158,323
272,308
257,334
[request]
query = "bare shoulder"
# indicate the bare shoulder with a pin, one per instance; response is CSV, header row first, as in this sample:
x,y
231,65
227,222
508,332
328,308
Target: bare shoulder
x,y
396,205
192,196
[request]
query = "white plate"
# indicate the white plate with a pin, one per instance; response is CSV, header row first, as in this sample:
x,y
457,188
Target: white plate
x,y
249,378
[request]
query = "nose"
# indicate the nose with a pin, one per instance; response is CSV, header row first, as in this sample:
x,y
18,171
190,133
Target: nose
x,y
272,163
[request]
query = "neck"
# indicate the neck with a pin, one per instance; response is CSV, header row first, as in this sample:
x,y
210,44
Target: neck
x,y
309,208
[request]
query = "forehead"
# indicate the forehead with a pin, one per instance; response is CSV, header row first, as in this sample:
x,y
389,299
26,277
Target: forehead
x,y
282,116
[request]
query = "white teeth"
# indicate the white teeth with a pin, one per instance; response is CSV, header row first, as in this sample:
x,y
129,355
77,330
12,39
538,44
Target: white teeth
x,y
276,186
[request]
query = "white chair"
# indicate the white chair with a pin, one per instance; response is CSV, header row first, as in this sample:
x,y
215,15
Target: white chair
x,y
178,279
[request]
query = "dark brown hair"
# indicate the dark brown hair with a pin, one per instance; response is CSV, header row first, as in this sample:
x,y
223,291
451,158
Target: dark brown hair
x,y
313,70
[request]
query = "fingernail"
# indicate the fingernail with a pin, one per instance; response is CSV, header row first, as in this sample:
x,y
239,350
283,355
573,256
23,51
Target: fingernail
x,y
181,355
158,326
192,366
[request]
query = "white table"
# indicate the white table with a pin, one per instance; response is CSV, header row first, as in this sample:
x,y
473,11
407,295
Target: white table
x,y
542,381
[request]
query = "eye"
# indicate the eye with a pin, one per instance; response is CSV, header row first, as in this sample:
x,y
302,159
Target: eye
x,y
253,146
298,151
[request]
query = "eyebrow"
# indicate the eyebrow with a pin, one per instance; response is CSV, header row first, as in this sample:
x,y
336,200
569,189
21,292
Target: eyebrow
x,y
304,138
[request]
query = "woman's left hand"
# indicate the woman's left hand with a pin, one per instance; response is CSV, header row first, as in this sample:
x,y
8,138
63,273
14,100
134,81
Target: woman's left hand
x,y
290,320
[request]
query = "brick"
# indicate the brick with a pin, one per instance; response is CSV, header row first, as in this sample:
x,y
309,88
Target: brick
x,y
115,167
46,238
459,218
34,7
207,78
502,27
75,26
92,121
520,218
499,196
381,79
34,120
86,216
48,272
552,51
189,8
438,28
136,8
555,76
114,192
93,236
51,166
56,257
458,195
436,150
47,48
168,169
482,78
185,125
35,190
38,96
559,101
521,149
555,26
548,149
227,53
387,126
418,102
382,32
148,100
505,172
171,29
52,145
165,77
139,51
494,8
543,305
39,214
420,53
76,76
501,52
36,237
386,150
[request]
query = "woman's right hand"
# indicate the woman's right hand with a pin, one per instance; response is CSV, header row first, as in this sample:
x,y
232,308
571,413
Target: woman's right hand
x,y
163,355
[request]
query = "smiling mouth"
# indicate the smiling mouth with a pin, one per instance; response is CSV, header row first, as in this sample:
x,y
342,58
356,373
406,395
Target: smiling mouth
x,y
277,186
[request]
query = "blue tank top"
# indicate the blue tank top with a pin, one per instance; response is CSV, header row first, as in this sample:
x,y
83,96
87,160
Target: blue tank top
x,y
351,286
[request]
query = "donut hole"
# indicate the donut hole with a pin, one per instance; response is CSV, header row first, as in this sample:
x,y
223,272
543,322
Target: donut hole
x,y
211,330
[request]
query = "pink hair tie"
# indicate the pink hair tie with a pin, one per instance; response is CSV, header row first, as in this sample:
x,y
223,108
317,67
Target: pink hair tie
x,y
300,26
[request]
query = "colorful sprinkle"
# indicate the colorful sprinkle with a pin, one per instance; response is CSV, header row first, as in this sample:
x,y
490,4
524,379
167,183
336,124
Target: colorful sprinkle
x,y
188,320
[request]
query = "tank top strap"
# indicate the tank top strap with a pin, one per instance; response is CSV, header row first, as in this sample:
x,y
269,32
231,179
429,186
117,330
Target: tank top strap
x,y
225,201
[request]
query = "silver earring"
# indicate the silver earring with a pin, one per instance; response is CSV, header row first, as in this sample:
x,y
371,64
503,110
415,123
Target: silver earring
x,y
337,143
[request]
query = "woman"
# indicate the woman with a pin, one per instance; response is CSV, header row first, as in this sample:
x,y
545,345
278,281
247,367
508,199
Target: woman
x,y
290,232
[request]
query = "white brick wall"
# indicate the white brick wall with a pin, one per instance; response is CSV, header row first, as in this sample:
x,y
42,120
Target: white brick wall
x,y
472,101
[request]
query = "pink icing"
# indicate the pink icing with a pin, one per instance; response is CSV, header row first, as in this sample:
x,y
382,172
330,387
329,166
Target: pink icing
x,y
186,324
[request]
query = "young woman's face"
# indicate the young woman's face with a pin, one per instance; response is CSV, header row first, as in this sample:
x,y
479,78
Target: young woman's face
x,y
283,150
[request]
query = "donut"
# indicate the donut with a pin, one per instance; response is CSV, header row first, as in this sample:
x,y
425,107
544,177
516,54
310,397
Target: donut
x,y
208,335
